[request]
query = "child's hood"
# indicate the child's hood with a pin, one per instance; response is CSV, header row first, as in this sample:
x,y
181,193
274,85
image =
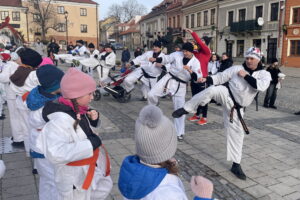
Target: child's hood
x,y
137,180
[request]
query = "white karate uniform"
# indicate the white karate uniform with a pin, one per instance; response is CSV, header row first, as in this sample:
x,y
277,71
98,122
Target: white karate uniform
x,y
47,187
30,83
18,130
243,93
168,85
61,144
106,65
81,51
88,69
149,67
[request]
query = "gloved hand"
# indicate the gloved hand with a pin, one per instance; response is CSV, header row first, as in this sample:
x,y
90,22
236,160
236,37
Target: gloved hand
x,y
95,140
102,57
202,187
96,56
73,54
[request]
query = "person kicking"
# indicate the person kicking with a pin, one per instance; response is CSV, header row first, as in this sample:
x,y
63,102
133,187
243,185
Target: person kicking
x,y
243,83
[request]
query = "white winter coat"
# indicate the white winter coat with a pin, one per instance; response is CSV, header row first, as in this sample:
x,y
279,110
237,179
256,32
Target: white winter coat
x,y
213,67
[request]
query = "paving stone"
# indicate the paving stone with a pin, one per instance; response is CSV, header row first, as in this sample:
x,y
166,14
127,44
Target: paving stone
x,y
266,180
257,191
281,189
289,180
292,196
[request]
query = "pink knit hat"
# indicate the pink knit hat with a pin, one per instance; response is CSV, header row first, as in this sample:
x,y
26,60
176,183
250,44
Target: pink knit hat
x,y
46,61
76,84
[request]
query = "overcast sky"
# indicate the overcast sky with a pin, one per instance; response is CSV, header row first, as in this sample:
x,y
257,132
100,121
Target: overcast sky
x,y
104,5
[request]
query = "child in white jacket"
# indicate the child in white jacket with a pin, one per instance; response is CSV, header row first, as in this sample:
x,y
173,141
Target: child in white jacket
x,y
49,77
152,174
81,166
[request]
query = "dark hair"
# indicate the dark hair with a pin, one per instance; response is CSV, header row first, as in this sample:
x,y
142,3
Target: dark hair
x,y
225,54
214,54
76,108
171,166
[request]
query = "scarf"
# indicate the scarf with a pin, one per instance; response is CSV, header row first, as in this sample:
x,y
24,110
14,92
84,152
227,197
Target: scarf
x,y
37,98
20,75
82,109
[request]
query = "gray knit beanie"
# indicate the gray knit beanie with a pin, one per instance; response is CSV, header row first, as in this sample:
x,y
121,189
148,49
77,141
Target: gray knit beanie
x,y
155,136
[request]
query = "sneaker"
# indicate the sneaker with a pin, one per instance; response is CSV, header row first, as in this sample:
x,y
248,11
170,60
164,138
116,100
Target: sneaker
x,y
236,169
194,118
179,112
2,117
180,138
266,106
18,144
274,107
297,113
202,121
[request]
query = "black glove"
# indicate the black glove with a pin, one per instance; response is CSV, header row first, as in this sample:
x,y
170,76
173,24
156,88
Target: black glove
x,y
95,140
73,54
102,58
85,52
96,56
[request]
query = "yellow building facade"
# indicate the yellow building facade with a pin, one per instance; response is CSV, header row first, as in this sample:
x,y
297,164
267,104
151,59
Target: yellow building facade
x,y
82,20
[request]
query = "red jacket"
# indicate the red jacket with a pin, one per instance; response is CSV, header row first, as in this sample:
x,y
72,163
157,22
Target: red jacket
x,y
203,55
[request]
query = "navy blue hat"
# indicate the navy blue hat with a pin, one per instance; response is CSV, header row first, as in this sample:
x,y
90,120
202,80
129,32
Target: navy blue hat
x,y
49,77
157,43
30,57
80,41
91,45
188,47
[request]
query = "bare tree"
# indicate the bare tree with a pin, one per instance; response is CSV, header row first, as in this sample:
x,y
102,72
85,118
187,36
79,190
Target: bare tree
x,y
127,10
44,16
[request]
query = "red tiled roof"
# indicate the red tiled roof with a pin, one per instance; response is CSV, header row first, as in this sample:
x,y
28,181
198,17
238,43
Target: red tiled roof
x,y
76,1
130,30
174,5
13,3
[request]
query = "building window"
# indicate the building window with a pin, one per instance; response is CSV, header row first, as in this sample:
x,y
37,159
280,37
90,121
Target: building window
x,y
187,21
274,11
36,17
230,18
198,19
60,9
170,22
178,21
83,28
242,15
205,18
258,12
174,22
61,27
192,20
16,16
296,15
240,48
4,14
295,48
83,12
212,16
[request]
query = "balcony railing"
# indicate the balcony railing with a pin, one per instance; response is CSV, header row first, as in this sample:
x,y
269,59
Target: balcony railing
x,y
244,26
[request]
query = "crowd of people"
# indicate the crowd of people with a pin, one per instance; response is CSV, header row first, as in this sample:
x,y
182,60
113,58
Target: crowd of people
x,y
56,124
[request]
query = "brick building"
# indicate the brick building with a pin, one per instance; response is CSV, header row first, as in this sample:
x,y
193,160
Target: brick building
x,y
291,36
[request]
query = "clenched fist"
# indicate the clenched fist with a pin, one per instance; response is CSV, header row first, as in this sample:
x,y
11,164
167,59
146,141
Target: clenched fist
x,y
242,73
202,187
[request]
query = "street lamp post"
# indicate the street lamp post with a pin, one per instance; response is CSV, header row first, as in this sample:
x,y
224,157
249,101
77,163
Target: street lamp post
x,y
67,36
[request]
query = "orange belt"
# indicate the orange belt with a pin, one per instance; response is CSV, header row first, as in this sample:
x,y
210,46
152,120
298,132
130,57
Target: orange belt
x,y
92,163
24,96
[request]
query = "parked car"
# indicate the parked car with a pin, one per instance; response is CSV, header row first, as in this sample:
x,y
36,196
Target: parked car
x,y
118,46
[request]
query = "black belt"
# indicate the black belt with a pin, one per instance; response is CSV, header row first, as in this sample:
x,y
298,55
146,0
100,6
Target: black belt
x,y
238,108
146,75
176,79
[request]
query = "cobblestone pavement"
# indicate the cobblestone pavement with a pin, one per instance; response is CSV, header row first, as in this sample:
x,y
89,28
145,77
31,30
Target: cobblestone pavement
x,y
271,158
